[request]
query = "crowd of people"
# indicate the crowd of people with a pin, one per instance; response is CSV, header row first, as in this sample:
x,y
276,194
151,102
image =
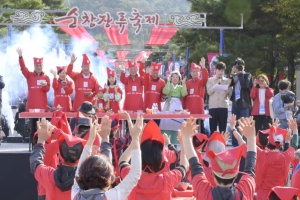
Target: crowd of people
x,y
89,158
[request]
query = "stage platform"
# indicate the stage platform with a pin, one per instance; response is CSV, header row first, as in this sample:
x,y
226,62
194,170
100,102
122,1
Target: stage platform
x,y
16,180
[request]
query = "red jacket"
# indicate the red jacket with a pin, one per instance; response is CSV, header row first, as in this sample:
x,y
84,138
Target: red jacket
x,y
62,95
275,170
254,94
296,179
37,94
152,89
83,85
113,104
154,185
133,92
194,101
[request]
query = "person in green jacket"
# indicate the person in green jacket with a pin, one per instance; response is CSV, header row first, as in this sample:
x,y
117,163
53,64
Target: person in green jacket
x,y
175,89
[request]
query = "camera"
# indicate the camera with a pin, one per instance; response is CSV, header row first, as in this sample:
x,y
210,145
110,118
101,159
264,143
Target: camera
x,y
288,97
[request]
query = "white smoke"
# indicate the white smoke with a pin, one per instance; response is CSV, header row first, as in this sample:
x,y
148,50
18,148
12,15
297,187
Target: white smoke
x,y
40,41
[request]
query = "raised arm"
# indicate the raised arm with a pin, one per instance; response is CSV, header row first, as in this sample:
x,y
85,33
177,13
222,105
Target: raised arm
x,y
70,68
23,67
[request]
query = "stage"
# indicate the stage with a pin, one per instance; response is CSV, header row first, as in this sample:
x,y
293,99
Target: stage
x,y
16,181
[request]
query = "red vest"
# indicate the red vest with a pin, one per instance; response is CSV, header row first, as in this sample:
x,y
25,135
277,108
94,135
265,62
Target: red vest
x,y
62,96
82,86
37,94
133,92
153,91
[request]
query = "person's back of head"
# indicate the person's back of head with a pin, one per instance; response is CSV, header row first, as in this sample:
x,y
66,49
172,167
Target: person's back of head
x,y
284,193
96,172
284,85
70,154
152,156
239,61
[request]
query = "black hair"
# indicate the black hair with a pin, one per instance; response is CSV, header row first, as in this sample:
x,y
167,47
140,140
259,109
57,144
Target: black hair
x,y
220,66
152,155
239,61
263,139
58,72
108,83
21,107
284,84
224,181
273,147
70,154
197,142
273,196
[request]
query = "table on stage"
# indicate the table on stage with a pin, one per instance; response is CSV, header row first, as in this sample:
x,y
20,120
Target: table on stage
x,y
133,116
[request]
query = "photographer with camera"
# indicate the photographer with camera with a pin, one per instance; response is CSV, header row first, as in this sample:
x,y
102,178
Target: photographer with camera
x,y
242,84
283,103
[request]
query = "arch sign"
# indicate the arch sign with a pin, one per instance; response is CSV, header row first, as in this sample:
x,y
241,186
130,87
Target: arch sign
x,y
121,19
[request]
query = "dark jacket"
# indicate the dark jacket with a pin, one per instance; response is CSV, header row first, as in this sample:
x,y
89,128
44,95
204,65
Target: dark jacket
x,y
2,85
246,85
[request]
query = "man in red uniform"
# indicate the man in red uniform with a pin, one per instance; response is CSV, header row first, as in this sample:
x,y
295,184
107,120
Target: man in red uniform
x,y
86,85
133,88
38,86
194,101
153,85
63,89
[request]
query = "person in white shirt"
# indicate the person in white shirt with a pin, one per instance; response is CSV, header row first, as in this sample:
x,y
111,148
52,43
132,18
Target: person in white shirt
x,y
95,174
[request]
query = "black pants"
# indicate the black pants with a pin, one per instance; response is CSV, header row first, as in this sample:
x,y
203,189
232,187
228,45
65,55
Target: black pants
x,y
218,118
262,122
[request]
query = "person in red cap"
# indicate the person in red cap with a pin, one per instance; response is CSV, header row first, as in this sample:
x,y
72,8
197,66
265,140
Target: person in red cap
x,y
133,88
157,181
218,99
86,85
295,181
38,85
112,92
63,89
94,174
284,193
225,166
153,85
276,163
57,182
194,101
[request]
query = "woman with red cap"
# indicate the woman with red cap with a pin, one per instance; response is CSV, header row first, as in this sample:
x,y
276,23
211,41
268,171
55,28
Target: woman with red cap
x,y
157,181
94,174
112,92
63,89
225,166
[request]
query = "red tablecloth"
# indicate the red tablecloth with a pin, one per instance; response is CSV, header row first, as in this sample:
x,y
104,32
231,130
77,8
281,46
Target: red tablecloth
x,y
133,116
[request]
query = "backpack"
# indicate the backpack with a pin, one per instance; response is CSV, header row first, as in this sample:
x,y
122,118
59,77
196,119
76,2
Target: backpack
x,y
91,194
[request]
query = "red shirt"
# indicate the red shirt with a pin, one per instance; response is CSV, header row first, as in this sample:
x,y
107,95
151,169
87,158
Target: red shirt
x,y
194,101
37,94
113,104
82,86
254,94
62,95
133,92
275,170
154,185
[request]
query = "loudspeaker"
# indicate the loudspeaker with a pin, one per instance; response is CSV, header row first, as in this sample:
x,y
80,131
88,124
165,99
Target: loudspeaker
x,y
16,180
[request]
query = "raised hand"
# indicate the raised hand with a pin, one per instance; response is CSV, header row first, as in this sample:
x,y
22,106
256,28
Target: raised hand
x,y
275,122
166,139
73,58
44,130
293,124
232,121
247,127
105,128
183,80
53,72
136,129
20,51
202,62
225,136
121,68
94,128
188,127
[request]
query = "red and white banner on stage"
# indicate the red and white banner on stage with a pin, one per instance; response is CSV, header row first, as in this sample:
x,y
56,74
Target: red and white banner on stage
x,y
212,60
